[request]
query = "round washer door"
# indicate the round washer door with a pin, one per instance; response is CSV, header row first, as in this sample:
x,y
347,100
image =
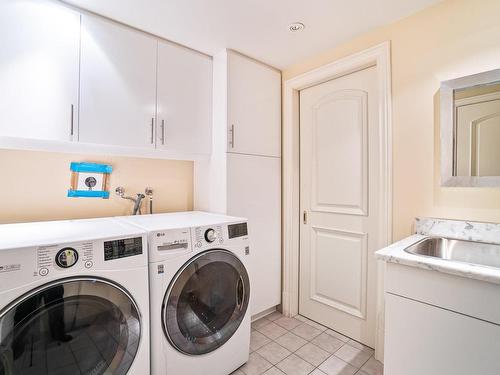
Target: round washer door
x,y
72,326
206,302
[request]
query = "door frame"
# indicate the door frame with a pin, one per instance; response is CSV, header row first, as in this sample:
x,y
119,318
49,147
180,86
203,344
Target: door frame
x,y
378,56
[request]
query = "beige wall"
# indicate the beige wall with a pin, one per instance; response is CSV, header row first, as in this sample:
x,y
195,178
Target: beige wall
x,y
449,40
33,186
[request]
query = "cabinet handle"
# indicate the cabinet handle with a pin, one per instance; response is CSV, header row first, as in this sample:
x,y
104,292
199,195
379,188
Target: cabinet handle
x,y
231,142
152,130
305,217
71,121
162,132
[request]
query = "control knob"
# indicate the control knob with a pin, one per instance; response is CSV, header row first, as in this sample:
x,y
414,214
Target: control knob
x,y
66,257
210,235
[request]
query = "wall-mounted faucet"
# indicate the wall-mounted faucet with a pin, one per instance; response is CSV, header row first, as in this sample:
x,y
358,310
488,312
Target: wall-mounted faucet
x,y
120,191
149,193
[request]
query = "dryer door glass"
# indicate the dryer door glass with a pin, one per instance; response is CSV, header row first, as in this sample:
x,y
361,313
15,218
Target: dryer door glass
x,y
79,326
206,302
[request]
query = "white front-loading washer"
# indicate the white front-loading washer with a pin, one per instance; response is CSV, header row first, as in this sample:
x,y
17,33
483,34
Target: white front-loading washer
x,y
199,292
74,298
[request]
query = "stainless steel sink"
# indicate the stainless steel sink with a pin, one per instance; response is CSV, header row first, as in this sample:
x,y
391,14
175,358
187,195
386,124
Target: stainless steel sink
x,y
484,254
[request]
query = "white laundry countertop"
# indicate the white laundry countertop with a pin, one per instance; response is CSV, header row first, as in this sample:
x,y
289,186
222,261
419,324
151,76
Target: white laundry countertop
x,y
465,230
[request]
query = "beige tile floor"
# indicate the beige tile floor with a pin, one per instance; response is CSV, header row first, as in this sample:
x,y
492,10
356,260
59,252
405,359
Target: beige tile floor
x,y
299,346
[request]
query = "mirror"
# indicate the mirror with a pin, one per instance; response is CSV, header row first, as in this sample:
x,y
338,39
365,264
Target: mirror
x,y
470,130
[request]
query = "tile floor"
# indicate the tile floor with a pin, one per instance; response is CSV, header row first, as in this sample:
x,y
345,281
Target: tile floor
x,y
299,346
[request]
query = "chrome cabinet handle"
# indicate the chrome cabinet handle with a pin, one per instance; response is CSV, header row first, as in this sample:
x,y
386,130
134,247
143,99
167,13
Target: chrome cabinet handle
x,y
231,142
162,132
152,130
72,120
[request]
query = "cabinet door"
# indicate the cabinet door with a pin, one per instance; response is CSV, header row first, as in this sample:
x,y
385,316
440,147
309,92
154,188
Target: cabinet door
x,y
118,84
39,51
254,107
184,100
254,192
424,339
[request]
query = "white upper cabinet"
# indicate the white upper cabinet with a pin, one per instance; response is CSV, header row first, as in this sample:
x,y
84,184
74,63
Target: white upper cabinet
x,y
254,107
184,100
39,51
117,85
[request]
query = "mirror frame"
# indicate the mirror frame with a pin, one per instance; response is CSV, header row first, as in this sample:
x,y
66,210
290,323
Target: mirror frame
x,y
447,125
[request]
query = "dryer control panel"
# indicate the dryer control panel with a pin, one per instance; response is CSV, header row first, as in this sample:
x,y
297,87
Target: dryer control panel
x,y
210,236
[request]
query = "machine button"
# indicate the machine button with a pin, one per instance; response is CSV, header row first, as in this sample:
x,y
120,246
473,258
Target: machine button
x,y
43,272
88,264
210,235
66,257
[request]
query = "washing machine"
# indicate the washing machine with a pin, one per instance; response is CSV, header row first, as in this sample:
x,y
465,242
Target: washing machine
x,y
74,298
199,292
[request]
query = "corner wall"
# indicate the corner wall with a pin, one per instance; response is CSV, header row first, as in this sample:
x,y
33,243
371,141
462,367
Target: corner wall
x,y
449,40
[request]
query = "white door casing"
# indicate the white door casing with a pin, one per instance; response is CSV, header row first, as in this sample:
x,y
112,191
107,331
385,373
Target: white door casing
x,y
339,183
380,57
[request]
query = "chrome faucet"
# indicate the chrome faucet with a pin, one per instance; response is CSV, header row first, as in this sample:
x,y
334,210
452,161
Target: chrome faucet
x,y
120,191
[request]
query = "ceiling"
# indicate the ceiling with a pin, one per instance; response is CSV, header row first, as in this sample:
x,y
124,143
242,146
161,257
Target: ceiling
x,y
258,28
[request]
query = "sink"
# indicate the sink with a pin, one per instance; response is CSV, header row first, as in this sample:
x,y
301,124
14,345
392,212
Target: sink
x,y
484,254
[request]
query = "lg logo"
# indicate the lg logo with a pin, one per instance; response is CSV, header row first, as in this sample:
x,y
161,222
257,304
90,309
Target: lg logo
x,y
160,234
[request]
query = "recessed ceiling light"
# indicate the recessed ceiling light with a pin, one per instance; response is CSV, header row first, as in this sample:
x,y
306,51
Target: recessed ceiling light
x,y
296,26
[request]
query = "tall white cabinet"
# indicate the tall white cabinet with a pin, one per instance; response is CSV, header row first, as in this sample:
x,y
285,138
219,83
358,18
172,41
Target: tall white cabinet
x,y
254,169
39,52
243,176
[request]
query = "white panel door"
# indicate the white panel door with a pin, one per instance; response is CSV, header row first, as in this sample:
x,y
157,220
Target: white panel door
x,y
184,100
339,166
39,52
478,137
118,85
254,192
424,339
254,107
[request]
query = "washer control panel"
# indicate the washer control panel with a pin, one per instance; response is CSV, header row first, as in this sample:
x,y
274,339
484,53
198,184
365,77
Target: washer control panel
x,y
57,258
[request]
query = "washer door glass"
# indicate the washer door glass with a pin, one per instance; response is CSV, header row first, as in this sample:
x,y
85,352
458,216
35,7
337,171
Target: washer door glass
x,y
75,326
206,302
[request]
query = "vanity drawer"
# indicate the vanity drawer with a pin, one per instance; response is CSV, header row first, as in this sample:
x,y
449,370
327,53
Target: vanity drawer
x,y
471,297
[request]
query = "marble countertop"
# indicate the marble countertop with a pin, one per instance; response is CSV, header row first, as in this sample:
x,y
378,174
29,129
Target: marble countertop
x,y
395,253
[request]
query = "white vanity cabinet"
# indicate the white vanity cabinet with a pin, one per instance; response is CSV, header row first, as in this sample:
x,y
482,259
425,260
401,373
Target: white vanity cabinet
x,y
184,80
254,107
117,84
39,52
440,324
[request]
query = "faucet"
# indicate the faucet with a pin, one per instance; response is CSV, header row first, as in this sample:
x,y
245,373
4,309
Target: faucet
x,y
120,191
